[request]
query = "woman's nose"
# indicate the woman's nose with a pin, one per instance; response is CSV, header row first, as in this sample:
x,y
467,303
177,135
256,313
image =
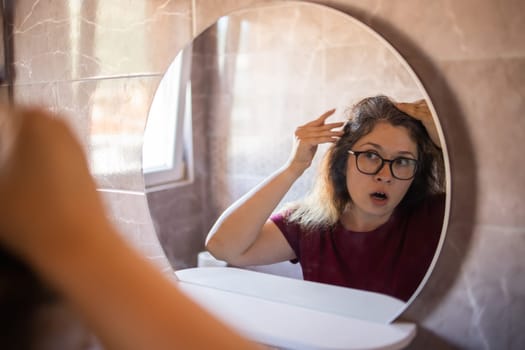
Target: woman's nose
x,y
384,174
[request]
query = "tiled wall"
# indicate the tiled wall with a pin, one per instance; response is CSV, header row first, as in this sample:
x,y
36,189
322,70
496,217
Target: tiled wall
x,y
100,69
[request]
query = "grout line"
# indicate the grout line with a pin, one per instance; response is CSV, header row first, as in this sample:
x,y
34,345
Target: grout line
x,y
193,18
137,193
107,77
502,228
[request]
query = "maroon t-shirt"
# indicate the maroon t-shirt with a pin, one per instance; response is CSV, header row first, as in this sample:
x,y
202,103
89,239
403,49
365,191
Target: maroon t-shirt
x,y
391,259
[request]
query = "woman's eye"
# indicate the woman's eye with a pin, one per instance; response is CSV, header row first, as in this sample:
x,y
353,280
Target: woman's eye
x,y
371,155
403,162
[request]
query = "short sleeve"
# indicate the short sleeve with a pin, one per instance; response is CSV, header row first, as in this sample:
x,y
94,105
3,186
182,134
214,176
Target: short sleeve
x,y
290,231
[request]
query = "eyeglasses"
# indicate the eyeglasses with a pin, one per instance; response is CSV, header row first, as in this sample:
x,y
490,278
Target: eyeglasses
x,y
371,163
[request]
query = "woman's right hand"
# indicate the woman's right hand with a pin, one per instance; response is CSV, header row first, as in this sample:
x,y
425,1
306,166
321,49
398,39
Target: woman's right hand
x,y
309,136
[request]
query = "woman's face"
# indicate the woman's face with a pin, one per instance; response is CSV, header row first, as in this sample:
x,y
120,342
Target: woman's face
x,y
375,197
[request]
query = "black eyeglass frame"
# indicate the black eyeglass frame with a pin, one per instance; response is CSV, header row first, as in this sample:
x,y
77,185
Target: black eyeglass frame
x,y
383,160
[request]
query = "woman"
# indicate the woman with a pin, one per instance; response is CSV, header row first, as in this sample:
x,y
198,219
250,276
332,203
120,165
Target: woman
x,y
374,216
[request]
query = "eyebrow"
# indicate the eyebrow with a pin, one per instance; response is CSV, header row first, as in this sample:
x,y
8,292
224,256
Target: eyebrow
x,y
380,148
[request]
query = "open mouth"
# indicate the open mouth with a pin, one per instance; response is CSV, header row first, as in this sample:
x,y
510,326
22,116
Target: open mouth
x,y
379,196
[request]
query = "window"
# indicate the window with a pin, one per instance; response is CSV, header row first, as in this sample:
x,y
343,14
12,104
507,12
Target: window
x,y
167,141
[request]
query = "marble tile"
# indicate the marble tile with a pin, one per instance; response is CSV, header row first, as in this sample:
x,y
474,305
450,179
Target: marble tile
x,y
483,307
373,71
107,116
46,96
444,30
207,13
204,74
200,135
492,109
38,94
283,25
111,115
178,217
341,29
64,40
253,142
256,60
130,215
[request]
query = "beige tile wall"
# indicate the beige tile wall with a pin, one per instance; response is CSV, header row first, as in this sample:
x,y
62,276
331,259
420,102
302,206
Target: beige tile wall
x,y
89,64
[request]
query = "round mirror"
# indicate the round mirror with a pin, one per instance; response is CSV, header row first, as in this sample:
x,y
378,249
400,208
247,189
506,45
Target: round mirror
x,y
224,115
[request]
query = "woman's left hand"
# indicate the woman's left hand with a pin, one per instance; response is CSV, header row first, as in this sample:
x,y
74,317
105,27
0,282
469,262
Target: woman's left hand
x,y
420,111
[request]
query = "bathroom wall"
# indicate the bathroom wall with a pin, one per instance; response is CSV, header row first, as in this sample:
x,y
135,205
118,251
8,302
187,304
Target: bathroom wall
x,y
99,63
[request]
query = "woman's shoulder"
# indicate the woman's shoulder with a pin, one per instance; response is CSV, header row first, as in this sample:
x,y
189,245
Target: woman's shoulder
x,y
282,220
289,223
282,215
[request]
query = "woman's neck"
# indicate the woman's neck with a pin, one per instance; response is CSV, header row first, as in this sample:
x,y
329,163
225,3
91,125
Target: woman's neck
x,y
354,219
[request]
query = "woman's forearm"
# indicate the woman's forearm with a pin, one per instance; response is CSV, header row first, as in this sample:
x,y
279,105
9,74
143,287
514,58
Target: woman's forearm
x,y
239,226
233,236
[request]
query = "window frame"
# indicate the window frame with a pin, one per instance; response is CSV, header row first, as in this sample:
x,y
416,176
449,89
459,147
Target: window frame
x,y
177,169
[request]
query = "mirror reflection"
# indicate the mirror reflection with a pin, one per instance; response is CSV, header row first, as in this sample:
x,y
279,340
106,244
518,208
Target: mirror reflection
x,y
373,218
284,141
